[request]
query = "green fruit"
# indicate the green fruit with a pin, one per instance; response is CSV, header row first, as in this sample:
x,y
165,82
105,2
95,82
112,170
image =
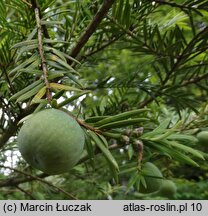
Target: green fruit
x,y
168,188
51,141
203,137
153,178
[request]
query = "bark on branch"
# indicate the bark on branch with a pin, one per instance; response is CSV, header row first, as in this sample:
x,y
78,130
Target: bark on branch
x,y
91,28
29,177
42,55
12,127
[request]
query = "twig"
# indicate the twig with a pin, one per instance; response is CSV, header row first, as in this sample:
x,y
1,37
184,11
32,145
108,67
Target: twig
x,y
91,28
194,80
18,180
27,3
13,181
12,128
88,127
5,107
180,61
8,133
102,47
98,151
173,4
185,53
80,122
149,100
38,179
125,30
12,89
25,192
45,30
41,52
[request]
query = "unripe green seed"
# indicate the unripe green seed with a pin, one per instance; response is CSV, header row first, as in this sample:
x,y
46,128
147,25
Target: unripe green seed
x,y
203,137
168,188
51,141
153,178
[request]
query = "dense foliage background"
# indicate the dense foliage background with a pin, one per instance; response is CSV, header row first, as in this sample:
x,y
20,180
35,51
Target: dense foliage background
x,y
98,59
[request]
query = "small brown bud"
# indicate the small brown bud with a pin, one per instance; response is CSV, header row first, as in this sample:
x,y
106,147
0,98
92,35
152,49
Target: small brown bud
x,y
138,145
138,131
127,132
125,139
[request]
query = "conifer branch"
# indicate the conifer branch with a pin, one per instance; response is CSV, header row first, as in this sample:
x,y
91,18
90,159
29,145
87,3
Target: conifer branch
x,y
14,183
42,55
91,28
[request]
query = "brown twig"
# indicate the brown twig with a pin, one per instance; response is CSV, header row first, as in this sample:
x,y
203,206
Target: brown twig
x,y
101,48
25,192
91,28
173,4
45,30
38,179
80,122
18,180
13,181
42,56
12,128
88,127
194,80
27,3
98,151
